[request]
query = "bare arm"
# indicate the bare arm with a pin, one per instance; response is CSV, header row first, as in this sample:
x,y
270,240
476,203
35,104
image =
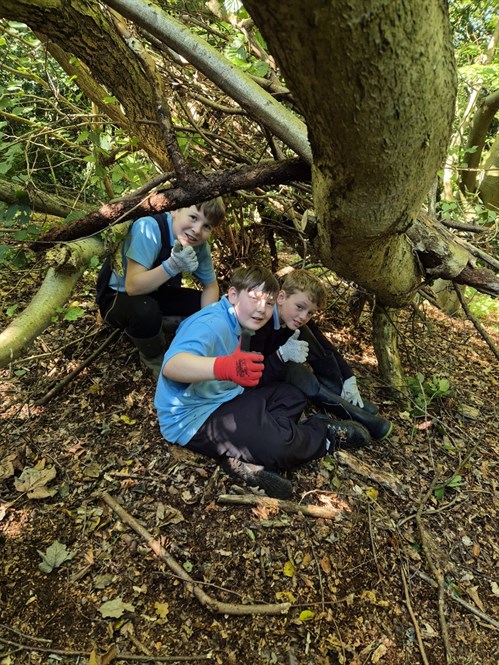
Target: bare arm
x,y
139,280
211,293
189,368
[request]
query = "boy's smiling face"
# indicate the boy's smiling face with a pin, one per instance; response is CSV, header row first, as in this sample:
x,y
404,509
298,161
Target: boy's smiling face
x,y
253,308
191,226
296,309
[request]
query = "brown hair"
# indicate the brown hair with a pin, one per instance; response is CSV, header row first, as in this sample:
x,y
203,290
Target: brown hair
x,y
213,210
247,279
306,282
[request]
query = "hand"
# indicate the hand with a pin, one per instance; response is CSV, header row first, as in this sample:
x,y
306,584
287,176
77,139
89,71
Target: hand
x,y
242,367
182,259
350,392
294,349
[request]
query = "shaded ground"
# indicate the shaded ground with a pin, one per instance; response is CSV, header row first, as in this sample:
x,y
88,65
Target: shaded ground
x,y
361,583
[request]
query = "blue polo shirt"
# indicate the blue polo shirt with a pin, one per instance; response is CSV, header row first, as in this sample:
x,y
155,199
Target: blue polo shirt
x,y
183,407
143,245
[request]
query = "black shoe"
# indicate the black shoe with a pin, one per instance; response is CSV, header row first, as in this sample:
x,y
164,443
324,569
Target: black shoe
x,y
345,434
253,475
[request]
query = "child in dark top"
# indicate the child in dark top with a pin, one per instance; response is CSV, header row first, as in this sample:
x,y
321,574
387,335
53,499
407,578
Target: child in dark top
x,y
207,399
328,380
147,285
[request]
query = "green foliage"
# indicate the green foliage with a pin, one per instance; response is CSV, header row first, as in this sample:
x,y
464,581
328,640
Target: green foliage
x,y
452,484
425,390
482,306
67,314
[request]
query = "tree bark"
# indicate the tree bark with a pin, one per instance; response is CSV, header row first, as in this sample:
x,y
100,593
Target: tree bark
x,y
365,80
54,292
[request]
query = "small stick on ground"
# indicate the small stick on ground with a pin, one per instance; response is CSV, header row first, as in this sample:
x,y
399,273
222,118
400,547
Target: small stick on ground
x,y
206,600
435,570
285,506
69,377
413,616
457,599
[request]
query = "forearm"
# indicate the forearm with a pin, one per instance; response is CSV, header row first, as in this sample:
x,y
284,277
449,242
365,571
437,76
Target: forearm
x,y
189,368
146,281
211,293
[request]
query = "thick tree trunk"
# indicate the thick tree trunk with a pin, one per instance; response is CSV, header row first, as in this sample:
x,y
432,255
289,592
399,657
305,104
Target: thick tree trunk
x,y
365,77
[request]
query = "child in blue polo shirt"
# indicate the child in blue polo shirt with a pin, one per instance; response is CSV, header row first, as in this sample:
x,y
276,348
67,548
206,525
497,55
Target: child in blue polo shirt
x,y
208,399
147,285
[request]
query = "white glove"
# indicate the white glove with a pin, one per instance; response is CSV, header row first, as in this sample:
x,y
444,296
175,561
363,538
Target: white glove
x,y
350,392
182,259
294,349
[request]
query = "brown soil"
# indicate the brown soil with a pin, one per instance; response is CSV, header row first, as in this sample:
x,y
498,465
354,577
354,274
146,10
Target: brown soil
x,y
363,583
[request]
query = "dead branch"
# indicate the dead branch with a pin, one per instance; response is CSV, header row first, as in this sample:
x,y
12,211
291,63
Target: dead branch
x,y
199,188
194,588
285,506
383,478
481,330
123,656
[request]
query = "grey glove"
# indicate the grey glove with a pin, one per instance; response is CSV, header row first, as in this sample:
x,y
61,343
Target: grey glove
x,y
350,392
294,349
182,259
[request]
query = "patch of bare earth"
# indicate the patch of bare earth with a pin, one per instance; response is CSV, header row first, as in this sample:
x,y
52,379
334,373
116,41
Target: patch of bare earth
x,y
401,570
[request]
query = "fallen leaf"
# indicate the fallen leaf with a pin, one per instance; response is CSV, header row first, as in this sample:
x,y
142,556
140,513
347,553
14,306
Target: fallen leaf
x,y
306,615
326,564
115,608
289,569
54,556
33,482
162,609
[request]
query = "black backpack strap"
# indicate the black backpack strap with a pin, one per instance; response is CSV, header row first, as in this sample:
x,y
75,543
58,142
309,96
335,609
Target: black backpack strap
x,y
166,248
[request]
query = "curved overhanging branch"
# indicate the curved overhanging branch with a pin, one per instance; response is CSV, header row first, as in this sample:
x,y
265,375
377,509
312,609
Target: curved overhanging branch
x,y
53,293
233,81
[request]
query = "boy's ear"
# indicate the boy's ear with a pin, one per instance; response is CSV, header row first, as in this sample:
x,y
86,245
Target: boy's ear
x,y
232,295
281,297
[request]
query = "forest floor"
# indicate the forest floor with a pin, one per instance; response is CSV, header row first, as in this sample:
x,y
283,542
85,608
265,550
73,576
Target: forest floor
x,y
399,565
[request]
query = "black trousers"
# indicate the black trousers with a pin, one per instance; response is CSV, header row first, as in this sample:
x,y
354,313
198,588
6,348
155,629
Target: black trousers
x,y
140,316
261,426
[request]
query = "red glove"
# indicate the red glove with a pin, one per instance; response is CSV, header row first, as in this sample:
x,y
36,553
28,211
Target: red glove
x,y
242,367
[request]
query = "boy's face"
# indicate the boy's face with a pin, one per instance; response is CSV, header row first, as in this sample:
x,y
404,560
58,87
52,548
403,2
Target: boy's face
x,y
253,308
191,227
295,310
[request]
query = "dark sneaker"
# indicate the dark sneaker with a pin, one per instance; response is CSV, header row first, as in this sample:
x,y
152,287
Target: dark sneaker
x,y
253,475
345,434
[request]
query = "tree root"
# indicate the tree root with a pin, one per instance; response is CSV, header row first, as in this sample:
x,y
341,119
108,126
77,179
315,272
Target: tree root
x,y
192,586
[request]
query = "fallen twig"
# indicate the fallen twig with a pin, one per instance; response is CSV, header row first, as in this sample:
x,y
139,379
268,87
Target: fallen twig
x,y
69,377
206,600
457,599
116,657
413,616
285,506
435,570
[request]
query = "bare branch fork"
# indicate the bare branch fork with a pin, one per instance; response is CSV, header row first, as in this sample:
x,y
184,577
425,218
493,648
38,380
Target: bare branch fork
x,y
191,584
